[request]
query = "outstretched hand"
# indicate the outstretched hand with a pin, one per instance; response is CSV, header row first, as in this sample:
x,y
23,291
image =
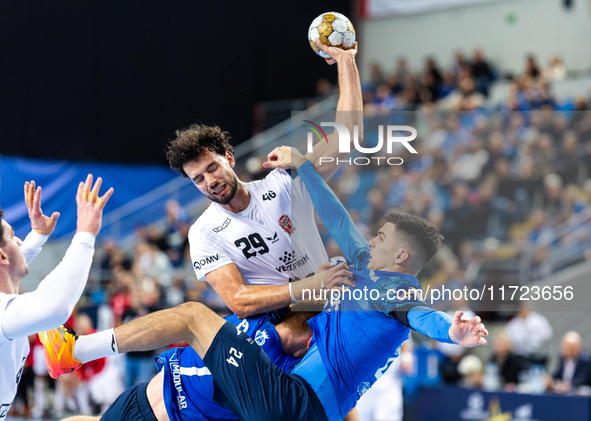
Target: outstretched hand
x,y
90,205
468,333
39,222
284,157
336,53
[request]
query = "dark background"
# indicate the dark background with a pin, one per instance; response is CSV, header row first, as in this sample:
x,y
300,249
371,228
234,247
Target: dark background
x,y
112,81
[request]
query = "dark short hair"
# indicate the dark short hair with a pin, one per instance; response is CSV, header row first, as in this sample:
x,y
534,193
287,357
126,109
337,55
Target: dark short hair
x,y
190,143
1,228
298,321
420,233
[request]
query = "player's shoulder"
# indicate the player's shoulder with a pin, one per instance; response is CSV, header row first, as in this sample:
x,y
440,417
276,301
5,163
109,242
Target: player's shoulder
x,y
277,176
208,221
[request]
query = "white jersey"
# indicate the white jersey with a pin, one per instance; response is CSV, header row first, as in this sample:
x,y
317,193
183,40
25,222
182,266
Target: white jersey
x,y
274,239
13,354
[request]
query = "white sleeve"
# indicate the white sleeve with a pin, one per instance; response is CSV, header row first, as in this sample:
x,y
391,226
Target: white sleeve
x,y
280,179
53,301
206,253
32,244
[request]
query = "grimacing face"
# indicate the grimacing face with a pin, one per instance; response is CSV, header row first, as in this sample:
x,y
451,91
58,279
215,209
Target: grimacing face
x,y
384,248
213,175
13,253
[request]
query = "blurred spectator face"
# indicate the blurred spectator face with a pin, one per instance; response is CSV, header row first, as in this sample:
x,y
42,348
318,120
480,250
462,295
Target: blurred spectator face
x,y
526,169
569,143
383,92
324,87
571,346
437,218
553,186
478,56
467,85
538,218
502,345
83,324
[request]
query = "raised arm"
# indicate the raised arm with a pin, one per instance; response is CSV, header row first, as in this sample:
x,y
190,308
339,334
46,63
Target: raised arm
x,y
333,214
42,226
349,112
54,299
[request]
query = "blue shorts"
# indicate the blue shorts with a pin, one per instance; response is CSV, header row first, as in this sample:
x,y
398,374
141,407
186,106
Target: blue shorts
x,y
131,405
248,383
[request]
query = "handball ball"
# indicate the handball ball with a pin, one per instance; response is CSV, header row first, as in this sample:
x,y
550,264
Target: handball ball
x,y
334,30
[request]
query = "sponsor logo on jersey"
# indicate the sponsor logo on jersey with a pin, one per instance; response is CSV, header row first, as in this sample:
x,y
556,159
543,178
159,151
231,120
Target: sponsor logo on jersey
x,y
290,262
362,388
223,226
270,195
260,337
243,326
199,264
273,239
175,370
285,223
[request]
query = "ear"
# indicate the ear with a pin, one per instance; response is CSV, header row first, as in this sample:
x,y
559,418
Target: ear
x,y
402,256
3,257
309,342
230,159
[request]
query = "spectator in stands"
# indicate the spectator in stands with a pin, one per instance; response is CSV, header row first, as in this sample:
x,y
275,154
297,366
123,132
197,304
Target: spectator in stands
x,y
472,372
465,98
556,69
541,233
574,369
531,69
376,77
402,72
481,72
529,332
461,65
509,365
553,197
567,162
448,84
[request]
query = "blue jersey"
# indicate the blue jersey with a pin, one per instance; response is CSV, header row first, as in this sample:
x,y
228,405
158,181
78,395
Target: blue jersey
x,y
356,337
188,384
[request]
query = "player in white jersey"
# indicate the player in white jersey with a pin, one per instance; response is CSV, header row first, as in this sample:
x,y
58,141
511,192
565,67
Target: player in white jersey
x,y
258,235
54,299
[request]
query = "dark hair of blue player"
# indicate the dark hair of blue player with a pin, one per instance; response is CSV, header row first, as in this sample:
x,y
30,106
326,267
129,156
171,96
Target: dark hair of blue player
x,y
420,233
190,143
298,321
1,228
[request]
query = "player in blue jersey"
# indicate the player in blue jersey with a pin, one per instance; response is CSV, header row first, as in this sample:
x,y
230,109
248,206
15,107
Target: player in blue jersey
x,y
184,389
354,340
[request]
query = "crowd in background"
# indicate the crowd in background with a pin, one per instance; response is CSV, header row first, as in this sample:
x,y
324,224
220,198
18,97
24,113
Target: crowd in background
x,y
465,86
504,186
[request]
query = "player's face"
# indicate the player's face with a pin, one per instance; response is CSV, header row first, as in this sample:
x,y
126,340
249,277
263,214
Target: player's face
x,y
12,254
213,175
383,248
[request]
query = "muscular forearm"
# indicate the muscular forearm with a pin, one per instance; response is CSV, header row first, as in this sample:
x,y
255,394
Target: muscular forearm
x,y
249,300
349,113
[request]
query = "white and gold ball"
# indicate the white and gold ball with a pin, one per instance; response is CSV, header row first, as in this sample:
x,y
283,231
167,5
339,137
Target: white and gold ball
x,y
334,29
